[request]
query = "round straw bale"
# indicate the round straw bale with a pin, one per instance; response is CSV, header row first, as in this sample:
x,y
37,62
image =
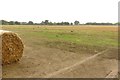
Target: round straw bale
x,y
12,47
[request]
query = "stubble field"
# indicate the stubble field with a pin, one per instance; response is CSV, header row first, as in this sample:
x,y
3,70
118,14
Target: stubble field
x,y
65,51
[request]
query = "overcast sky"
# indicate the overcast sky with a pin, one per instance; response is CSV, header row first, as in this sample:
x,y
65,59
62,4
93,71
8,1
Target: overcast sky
x,y
60,10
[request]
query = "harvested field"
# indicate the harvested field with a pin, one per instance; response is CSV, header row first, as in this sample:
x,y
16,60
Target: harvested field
x,y
54,49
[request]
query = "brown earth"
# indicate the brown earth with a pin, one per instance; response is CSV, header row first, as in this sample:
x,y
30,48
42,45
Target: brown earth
x,y
61,59
48,61
100,66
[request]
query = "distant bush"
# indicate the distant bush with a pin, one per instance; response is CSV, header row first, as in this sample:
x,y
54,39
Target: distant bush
x,y
46,22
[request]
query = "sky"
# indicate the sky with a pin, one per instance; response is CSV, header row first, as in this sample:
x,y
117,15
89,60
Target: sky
x,y
59,10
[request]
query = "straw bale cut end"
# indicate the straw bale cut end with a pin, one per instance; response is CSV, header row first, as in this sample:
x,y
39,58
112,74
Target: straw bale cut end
x,y
12,47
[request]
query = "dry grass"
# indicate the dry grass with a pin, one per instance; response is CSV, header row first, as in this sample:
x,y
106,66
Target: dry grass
x,y
81,27
12,47
51,48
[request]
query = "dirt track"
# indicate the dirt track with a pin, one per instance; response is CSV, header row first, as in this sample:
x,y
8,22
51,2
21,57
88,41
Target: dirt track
x,y
52,63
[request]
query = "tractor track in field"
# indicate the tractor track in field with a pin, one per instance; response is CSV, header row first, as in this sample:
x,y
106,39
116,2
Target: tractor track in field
x,y
74,65
112,74
101,65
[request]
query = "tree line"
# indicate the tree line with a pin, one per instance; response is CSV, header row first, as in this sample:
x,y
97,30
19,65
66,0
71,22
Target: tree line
x,y
47,22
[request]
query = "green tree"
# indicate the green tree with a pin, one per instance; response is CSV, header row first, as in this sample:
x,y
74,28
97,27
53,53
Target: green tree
x,y
76,23
11,23
30,23
3,22
71,23
17,23
46,22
